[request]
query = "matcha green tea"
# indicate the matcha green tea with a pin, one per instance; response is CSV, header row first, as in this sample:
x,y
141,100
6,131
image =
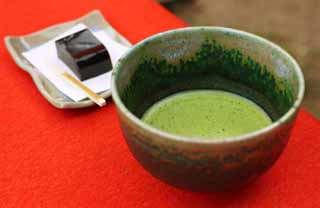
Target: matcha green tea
x,y
206,113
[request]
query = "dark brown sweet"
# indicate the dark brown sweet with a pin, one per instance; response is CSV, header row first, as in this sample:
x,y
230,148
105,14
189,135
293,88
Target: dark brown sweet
x,y
84,54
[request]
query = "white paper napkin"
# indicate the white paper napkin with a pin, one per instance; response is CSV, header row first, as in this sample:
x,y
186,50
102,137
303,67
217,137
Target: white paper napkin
x,y
45,59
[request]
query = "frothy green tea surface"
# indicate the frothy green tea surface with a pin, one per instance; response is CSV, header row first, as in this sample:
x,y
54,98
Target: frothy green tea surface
x,y
206,113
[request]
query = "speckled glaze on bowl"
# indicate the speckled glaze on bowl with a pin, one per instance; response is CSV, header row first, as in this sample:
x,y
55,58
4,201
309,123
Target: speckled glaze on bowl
x,y
207,58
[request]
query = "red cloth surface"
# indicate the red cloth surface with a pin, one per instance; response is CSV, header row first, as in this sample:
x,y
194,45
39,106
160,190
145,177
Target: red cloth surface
x,y
78,158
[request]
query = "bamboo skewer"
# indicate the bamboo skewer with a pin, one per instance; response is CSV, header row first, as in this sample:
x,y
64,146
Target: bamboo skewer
x,y
100,101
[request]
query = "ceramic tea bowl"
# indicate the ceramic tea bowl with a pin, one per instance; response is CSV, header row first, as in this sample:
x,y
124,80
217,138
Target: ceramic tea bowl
x,y
207,58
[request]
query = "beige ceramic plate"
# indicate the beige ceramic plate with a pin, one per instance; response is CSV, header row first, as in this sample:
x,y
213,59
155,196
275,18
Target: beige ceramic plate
x,y
17,45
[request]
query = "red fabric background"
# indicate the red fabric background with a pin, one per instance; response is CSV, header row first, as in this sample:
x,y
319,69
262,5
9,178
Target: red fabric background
x,y
78,158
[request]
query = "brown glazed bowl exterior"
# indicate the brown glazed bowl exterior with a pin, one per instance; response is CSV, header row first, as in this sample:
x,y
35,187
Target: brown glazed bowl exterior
x,y
204,164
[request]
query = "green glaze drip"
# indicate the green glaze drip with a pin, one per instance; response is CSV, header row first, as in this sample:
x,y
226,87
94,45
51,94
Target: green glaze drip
x,y
206,113
154,75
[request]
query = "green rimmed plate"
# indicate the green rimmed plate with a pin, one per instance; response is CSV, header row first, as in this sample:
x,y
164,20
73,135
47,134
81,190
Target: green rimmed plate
x,y
16,45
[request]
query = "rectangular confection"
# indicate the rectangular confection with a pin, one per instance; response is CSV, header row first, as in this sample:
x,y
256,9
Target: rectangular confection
x,y
84,54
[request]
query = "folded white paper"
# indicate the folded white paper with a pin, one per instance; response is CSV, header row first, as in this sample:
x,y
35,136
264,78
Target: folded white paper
x,y
45,59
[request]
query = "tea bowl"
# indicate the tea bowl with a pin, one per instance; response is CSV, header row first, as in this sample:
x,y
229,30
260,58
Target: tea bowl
x,y
207,58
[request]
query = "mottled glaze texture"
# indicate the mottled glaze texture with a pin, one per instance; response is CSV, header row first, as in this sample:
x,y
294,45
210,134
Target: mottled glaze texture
x,y
207,58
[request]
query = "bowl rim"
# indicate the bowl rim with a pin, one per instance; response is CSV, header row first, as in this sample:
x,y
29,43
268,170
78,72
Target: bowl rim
x,y
274,125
